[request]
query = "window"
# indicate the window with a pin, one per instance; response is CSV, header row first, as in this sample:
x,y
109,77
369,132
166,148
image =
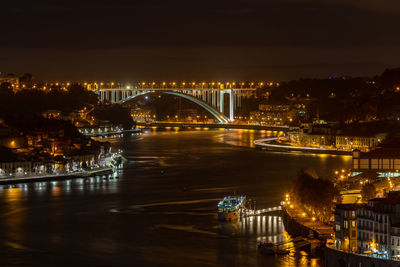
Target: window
x,y
346,224
355,164
392,242
353,214
353,223
353,233
374,163
385,163
397,164
364,164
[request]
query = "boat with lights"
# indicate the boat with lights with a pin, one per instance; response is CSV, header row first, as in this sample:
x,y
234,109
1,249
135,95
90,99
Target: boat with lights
x,y
231,208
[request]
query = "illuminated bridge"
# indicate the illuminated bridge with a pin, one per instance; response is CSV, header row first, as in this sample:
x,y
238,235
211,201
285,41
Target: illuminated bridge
x,y
210,96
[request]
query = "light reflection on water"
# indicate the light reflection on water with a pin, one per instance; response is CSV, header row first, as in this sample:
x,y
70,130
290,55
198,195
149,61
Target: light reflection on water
x,y
100,217
13,193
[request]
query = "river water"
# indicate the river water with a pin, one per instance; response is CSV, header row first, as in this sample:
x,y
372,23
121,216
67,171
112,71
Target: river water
x,y
162,209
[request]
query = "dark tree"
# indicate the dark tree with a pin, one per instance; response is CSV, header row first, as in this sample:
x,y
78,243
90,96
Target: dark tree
x,y
6,89
114,113
368,191
315,193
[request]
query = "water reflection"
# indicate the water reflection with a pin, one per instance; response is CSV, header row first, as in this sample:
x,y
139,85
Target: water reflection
x,y
12,202
96,216
261,229
16,193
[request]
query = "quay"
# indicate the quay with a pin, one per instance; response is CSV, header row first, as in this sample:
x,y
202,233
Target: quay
x,y
266,143
101,132
297,223
55,177
189,125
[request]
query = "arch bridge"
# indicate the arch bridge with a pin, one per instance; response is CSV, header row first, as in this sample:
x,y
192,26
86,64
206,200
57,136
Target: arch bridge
x,y
210,98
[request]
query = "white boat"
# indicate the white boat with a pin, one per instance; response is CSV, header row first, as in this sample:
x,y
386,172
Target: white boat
x,y
231,208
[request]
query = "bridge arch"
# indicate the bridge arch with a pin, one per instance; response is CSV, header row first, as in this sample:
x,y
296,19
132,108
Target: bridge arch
x,y
216,114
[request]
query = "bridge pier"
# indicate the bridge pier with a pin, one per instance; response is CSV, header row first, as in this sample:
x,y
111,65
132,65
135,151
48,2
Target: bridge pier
x,y
231,105
221,101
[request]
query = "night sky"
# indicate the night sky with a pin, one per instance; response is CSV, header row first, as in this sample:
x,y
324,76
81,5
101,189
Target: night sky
x,y
199,40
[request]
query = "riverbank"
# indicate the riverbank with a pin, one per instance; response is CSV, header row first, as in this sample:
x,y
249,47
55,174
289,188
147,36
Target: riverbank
x,y
299,224
55,177
296,224
337,258
267,143
214,126
111,133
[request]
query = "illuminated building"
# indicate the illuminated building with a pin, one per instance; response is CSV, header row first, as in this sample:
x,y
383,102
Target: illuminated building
x,y
378,224
345,226
362,143
270,114
384,161
142,115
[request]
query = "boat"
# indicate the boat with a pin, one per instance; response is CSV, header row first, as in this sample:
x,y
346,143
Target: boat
x,y
267,248
272,249
231,208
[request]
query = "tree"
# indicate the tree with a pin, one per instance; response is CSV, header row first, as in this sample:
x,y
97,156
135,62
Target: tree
x,y
6,89
368,191
27,79
115,114
314,193
78,97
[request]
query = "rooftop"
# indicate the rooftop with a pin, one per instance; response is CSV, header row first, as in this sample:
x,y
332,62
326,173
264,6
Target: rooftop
x,y
349,206
383,152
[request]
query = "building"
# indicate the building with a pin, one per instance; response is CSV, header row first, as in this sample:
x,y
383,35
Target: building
x,y
331,136
395,241
142,115
371,229
270,114
377,221
11,138
384,161
52,114
345,227
311,140
362,143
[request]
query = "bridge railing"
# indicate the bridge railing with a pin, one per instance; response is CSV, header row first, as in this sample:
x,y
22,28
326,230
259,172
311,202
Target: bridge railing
x,y
171,89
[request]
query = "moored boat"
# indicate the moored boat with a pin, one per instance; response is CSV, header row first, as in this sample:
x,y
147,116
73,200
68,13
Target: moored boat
x,y
230,208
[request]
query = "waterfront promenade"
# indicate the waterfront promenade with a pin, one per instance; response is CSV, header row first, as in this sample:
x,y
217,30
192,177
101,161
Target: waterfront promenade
x,y
266,143
308,223
215,126
51,177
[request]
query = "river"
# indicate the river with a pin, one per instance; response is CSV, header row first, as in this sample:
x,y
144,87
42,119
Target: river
x,y
162,209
